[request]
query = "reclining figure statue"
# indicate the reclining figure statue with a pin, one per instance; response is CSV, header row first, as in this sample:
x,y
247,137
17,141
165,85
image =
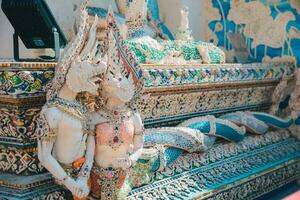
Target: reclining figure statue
x,y
65,147
152,50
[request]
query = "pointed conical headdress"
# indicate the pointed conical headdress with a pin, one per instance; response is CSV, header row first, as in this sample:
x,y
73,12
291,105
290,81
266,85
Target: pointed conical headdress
x,y
119,55
115,40
72,50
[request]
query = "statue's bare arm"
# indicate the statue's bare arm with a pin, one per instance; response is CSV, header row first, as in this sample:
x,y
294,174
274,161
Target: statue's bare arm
x,y
50,163
87,166
138,140
89,156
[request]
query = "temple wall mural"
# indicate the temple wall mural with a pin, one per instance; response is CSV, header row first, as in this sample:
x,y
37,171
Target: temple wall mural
x,y
271,28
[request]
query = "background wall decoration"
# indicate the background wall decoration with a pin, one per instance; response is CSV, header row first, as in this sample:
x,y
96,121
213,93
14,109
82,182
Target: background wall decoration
x,y
271,27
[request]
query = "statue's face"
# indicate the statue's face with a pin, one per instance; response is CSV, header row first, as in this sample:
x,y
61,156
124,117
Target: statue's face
x,y
87,67
116,85
83,76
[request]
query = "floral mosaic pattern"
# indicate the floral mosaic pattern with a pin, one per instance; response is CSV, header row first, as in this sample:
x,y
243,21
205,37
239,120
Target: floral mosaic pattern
x,y
44,190
210,74
260,185
19,162
17,121
221,152
164,107
189,51
55,195
24,82
18,125
271,28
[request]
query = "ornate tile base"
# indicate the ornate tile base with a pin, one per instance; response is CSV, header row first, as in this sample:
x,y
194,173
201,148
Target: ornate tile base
x,y
20,162
18,148
35,187
172,108
260,184
244,170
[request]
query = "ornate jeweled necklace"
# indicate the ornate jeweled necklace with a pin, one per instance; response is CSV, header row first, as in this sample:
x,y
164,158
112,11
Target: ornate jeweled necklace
x,y
73,108
115,117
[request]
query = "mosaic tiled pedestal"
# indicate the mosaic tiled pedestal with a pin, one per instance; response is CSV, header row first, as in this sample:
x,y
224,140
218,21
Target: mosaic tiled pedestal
x,y
179,92
175,94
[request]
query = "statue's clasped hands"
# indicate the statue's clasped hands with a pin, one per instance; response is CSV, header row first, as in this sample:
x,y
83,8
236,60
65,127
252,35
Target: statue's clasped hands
x,y
79,188
84,189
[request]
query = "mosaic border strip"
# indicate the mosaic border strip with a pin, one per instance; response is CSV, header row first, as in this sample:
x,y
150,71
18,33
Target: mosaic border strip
x,y
20,83
183,76
20,162
41,186
18,127
172,108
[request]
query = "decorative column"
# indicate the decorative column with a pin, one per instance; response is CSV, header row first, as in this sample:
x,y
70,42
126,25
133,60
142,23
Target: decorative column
x,y
22,94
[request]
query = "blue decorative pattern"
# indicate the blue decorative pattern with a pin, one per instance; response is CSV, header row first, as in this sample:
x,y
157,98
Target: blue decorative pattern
x,y
187,139
278,20
222,128
200,175
196,75
272,120
170,139
251,123
170,155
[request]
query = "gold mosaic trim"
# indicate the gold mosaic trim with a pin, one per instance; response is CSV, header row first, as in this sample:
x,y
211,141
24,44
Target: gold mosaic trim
x,y
5,64
219,66
210,86
21,101
31,185
28,64
30,150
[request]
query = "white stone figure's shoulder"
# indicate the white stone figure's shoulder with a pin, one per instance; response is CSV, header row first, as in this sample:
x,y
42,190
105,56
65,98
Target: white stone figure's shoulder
x,y
53,116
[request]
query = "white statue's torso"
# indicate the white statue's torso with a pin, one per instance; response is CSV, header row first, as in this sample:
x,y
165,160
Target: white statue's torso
x,y
69,135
